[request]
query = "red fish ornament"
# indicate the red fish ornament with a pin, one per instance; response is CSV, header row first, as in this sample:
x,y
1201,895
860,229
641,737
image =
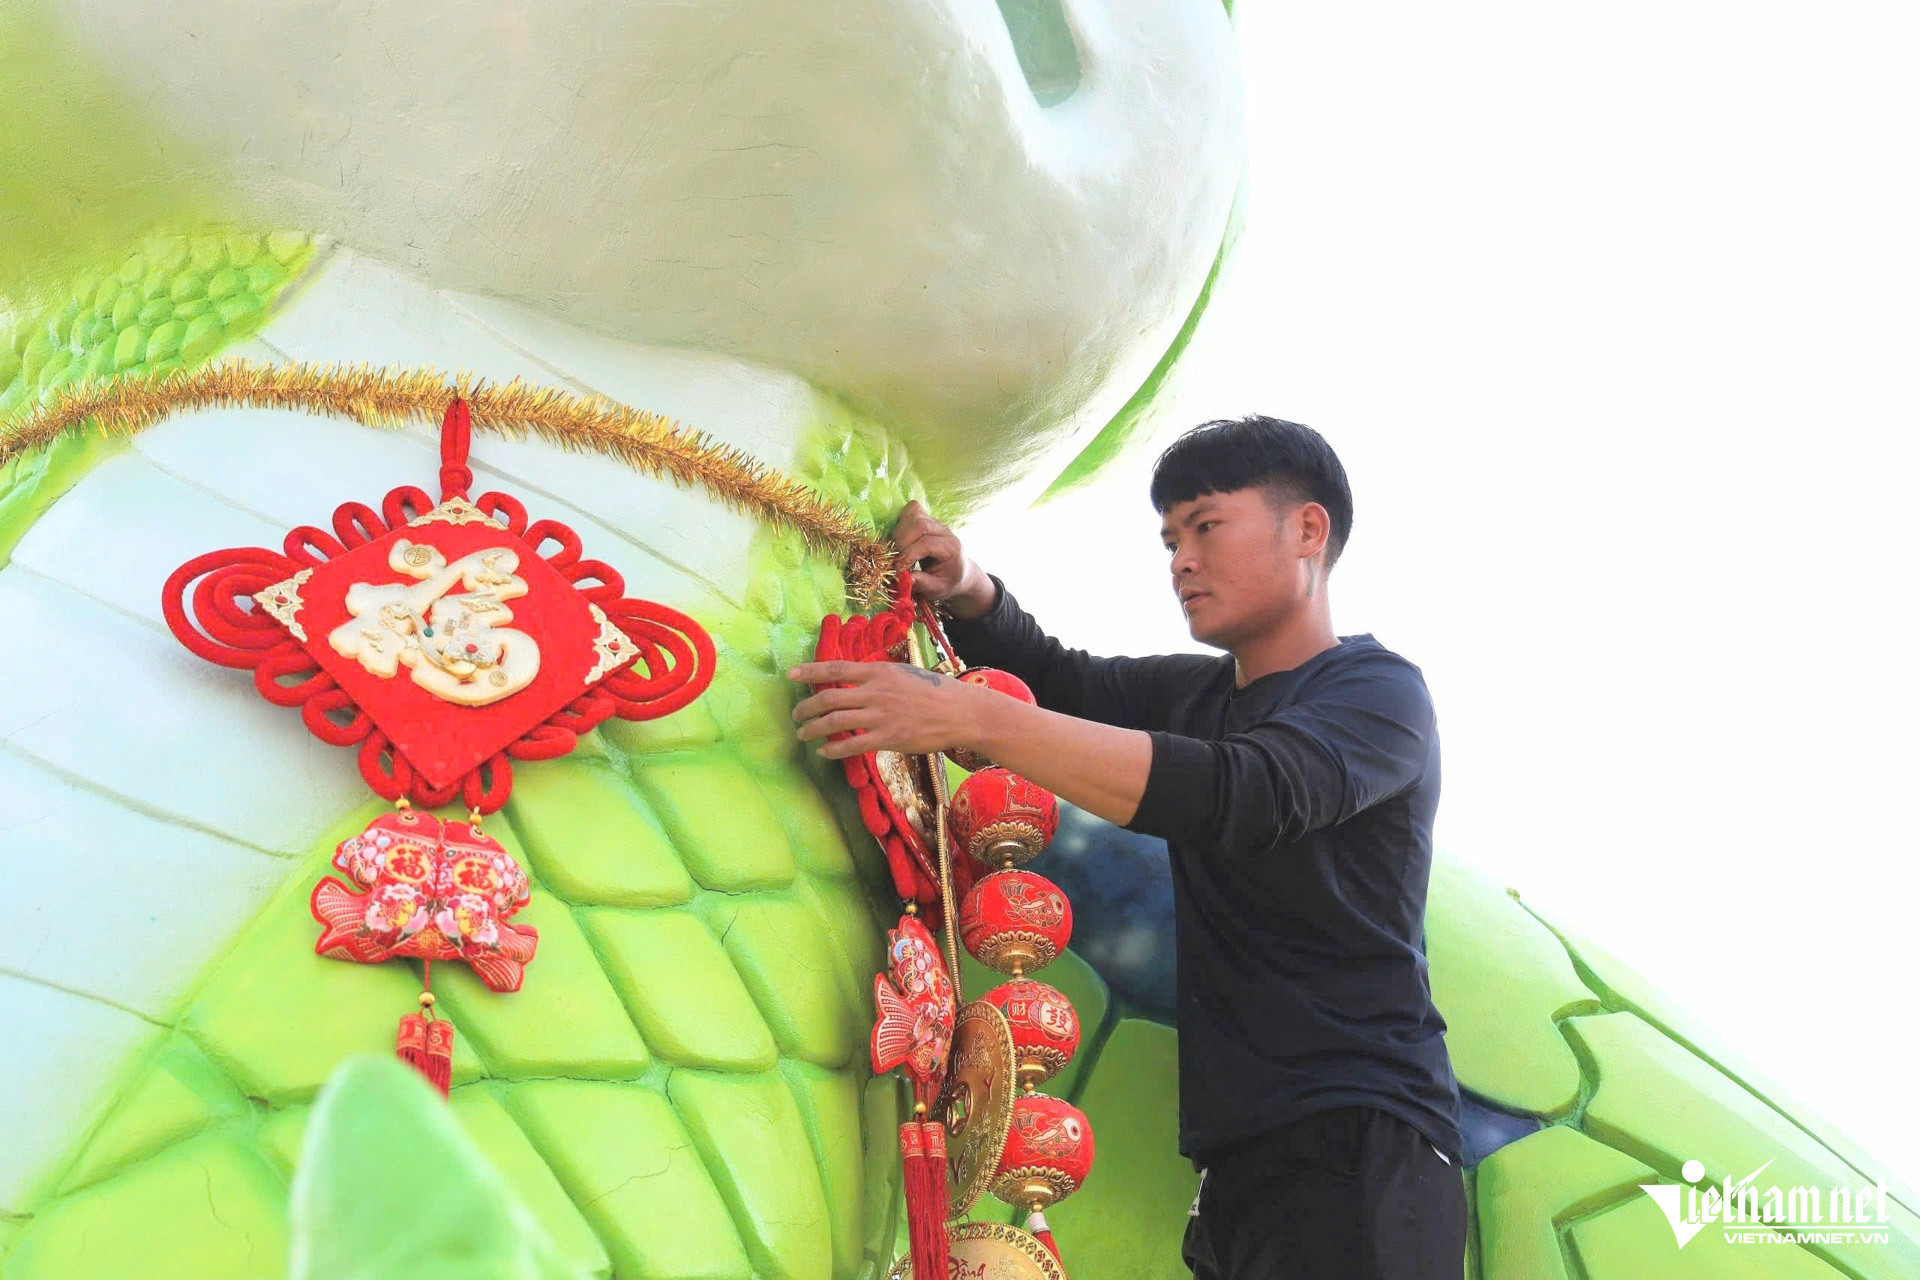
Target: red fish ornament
x,y
429,890
915,1002
442,642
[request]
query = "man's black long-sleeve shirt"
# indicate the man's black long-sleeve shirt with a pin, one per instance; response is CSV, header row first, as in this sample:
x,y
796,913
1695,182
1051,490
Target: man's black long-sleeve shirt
x,y
1298,814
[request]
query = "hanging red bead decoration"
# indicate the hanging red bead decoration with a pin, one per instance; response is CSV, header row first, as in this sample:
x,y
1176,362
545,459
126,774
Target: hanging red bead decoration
x,y
442,642
1001,819
1015,921
1046,1030
1027,1148
1049,1152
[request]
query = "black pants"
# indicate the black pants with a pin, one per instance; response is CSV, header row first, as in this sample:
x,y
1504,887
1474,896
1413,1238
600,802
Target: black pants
x,y
1353,1193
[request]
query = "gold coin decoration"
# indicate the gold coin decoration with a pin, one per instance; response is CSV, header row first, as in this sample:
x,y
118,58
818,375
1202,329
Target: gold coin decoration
x,y
991,1251
977,1103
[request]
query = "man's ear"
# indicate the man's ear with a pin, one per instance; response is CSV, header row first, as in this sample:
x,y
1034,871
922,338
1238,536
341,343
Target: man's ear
x,y
1316,526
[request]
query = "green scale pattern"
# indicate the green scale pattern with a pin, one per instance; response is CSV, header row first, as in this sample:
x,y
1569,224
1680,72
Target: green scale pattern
x,y
1545,1024
171,304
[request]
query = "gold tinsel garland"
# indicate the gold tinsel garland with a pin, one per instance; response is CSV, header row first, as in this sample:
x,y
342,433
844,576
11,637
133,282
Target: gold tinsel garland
x,y
647,442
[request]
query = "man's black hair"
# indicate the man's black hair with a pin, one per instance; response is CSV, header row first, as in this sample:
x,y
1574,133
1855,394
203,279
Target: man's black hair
x,y
1294,463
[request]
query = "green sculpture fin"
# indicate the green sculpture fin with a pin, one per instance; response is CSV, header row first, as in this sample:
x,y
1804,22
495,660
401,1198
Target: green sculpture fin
x,y
388,1186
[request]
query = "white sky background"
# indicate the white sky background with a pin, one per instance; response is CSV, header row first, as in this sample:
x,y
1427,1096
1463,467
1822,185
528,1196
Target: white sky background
x,y
1611,315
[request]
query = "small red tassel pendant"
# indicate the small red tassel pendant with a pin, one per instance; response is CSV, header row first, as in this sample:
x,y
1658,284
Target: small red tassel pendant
x,y
923,1157
425,1042
426,1045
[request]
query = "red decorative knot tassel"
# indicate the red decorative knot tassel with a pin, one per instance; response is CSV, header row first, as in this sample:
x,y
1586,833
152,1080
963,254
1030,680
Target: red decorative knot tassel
x,y
426,1045
923,1159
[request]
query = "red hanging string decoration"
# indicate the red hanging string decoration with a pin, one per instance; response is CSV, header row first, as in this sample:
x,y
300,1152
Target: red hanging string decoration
x,y
914,1030
895,791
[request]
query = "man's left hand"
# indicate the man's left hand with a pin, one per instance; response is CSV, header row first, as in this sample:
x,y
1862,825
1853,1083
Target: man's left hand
x,y
889,706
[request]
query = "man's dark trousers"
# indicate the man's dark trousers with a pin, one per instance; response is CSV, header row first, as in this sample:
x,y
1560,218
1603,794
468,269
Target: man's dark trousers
x,y
1351,1193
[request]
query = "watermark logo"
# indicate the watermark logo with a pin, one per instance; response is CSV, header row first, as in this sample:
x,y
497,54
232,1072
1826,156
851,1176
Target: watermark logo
x,y
1836,1214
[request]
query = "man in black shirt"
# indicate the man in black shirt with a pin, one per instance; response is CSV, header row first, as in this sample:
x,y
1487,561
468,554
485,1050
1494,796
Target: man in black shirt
x,y
1294,778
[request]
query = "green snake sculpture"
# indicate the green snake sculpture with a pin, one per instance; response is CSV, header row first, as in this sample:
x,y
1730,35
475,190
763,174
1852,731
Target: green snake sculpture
x,y
933,249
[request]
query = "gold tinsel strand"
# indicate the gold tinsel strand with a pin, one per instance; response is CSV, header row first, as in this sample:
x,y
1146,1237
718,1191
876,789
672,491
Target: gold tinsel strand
x,y
379,397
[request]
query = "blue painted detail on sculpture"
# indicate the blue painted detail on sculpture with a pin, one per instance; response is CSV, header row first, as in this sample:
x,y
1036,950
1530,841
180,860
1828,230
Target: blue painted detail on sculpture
x,y
1122,895
1485,1128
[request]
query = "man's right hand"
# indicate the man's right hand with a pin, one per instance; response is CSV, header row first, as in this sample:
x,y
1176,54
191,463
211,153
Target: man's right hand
x,y
946,574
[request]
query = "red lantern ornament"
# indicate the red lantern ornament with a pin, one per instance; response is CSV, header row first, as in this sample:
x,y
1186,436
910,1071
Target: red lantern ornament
x,y
442,642
1046,1030
1049,1152
1002,819
1015,921
1000,682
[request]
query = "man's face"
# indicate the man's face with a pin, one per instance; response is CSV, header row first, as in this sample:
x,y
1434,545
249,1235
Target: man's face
x,y
1236,563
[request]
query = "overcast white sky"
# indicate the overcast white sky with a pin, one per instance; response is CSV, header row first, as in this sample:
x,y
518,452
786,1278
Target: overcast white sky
x,y
1611,314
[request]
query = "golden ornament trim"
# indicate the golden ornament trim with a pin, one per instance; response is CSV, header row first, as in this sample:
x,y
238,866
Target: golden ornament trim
x,y
1001,951
612,644
1022,835
1010,1182
910,780
1052,1061
650,443
287,614
455,511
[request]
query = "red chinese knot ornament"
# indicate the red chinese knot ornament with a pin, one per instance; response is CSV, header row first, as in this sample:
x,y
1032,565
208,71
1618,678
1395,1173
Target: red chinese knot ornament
x,y
440,641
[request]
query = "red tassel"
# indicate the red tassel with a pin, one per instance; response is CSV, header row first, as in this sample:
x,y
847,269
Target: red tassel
x,y
923,1155
427,1047
440,1055
1037,1228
